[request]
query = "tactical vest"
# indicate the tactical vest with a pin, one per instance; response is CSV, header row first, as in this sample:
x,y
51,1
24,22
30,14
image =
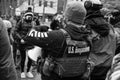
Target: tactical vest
x,y
74,60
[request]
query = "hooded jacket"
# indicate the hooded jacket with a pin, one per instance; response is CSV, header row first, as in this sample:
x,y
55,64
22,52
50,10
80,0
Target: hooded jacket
x,y
103,49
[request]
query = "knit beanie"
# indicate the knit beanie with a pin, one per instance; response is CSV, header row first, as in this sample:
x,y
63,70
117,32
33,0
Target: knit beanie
x,y
75,12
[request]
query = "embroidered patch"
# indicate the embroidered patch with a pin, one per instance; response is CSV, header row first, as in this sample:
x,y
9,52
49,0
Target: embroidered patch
x,y
34,33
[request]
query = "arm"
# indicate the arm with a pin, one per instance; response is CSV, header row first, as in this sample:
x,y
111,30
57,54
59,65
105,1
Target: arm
x,y
52,39
17,29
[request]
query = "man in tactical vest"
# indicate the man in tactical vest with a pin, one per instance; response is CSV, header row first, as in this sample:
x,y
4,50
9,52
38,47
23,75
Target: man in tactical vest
x,y
104,45
67,49
21,31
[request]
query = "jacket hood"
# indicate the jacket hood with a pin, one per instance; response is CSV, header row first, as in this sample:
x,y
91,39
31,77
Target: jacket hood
x,y
76,32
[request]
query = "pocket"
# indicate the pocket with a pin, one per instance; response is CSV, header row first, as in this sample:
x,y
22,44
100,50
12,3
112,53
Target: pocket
x,y
48,67
71,67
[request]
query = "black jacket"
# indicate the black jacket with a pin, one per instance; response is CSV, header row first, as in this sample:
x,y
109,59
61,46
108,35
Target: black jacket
x,y
103,49
22,29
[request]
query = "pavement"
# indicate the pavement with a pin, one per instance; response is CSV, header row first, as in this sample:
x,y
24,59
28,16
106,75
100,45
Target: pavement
x,y
36,76
33,70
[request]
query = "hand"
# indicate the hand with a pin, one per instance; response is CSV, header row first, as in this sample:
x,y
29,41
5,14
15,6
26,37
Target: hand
x,y
22,41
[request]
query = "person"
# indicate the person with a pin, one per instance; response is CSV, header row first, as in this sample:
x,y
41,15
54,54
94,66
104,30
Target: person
x,y
13,21
14,44
28,10
7,67
56,22
116,15
104,46
21,30
114,72
8,25
64,42
36,20
36,51
115,21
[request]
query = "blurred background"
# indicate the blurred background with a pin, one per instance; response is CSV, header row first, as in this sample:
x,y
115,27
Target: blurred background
x,y
45,9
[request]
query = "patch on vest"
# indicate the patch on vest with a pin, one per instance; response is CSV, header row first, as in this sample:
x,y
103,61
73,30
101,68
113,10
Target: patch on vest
x,y
77,47
34,33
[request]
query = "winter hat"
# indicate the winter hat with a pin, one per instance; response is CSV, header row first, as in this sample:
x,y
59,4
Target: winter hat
x,y
75,12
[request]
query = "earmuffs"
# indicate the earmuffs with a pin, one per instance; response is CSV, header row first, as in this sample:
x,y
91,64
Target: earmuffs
x,y
90,5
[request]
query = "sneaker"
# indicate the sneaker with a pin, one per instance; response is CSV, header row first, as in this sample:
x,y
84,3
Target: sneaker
x,y
23,75
30,75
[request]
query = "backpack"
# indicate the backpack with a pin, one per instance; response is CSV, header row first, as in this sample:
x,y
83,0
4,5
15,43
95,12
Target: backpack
x,y
74,62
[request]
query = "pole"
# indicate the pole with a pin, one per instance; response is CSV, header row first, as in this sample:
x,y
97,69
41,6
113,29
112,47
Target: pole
x,y
43,11
65,2
33,5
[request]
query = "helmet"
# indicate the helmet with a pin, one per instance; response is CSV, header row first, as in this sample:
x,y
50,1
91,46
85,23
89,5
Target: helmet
x,y
93,4
28,17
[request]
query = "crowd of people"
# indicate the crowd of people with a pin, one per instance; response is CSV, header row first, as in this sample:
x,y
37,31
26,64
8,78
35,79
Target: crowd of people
x,y
81,43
